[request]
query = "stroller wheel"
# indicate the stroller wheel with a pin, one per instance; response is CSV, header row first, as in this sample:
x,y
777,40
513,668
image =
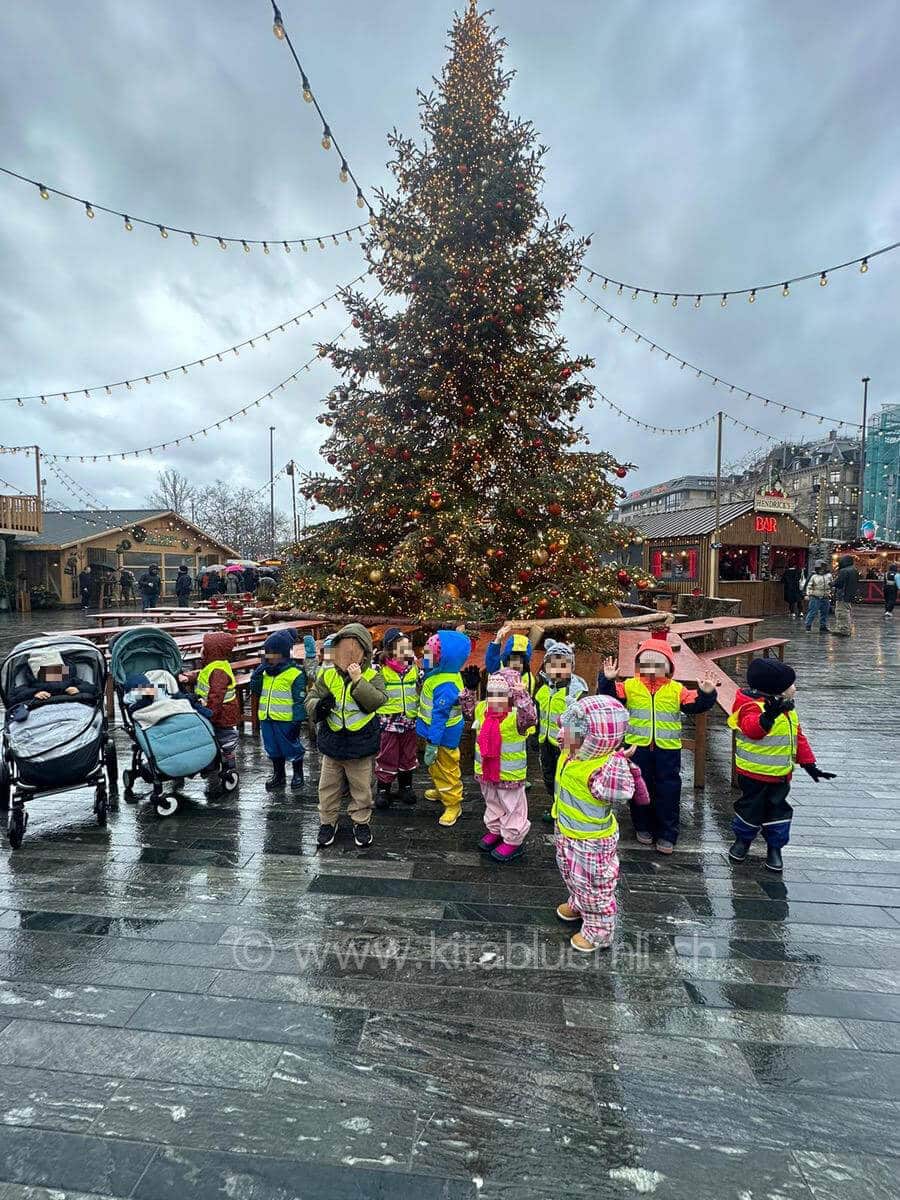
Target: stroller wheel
x,y
230,780
166,806
100,804
128,785
18,823
111,762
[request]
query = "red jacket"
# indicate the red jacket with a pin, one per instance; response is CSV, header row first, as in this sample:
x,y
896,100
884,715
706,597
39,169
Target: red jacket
x,y
219,646
749,713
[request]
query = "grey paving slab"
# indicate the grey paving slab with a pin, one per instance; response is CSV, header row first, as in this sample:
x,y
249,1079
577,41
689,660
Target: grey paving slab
x,y
831,1176
63,1161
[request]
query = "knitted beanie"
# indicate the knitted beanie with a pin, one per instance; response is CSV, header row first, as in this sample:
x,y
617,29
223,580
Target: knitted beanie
x,y
770,676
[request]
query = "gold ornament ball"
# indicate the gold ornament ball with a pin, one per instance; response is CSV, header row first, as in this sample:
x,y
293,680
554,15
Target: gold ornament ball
x,y
375,576
539,557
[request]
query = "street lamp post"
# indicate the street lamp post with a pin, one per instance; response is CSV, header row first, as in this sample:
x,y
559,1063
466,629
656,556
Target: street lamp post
x,y
862,455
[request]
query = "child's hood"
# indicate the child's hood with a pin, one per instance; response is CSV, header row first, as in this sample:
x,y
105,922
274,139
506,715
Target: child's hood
x,y
216,646
455,649
360,634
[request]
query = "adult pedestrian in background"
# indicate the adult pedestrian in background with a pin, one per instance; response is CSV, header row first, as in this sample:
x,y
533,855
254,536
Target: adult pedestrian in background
x,y
183,586
84,588
818,592
126,586
846,588
790,581
890,590
149,585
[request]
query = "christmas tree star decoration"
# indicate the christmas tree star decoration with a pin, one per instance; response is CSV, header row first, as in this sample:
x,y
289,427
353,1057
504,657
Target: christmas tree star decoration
x,y
451,435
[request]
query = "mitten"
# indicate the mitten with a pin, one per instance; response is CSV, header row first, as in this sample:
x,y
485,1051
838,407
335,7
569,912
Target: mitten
x,y
324,707
815,774
431,753
641,795
471,677
309,646
774,706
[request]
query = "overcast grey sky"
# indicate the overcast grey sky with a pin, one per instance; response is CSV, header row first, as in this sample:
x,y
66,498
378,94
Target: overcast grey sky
x,y
705,143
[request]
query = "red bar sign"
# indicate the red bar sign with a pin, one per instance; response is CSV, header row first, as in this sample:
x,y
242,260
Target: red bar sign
x,y
766,524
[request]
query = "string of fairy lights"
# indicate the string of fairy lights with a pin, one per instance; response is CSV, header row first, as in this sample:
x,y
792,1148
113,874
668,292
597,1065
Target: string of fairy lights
x,y
181,369
329,141
681,430
196,236
204,431
723,295
702,373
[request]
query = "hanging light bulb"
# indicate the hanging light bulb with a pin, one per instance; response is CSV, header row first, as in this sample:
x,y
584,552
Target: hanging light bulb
x,y
674,301
864,266
751,299
278,25
128,224
697,302
360,202
163,232
344,173
45,195
326,138
823,280
287,248
223,245
89,212
321,244
656,297
786,289
724,300
195,240
246,247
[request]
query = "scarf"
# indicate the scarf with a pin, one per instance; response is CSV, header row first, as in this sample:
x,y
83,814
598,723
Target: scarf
x,y
490,743
396,665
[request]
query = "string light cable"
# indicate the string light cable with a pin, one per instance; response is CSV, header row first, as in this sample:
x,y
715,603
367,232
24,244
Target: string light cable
x,y
182,368
723,295
197,236
681,430
329,141
702,373
204,431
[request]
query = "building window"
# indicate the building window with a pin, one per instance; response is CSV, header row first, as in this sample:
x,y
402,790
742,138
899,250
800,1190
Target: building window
x,y
834,477
675,565
832,523
672,501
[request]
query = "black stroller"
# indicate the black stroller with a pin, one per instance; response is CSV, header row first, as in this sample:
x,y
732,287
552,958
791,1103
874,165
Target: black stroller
x,y
64,742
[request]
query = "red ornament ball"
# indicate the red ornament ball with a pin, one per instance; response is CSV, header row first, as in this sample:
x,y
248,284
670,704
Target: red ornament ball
x,y
554,508
642,585
518,309
621,472
623,578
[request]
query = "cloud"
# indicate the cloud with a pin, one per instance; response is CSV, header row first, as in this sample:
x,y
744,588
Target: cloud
x,y
713,147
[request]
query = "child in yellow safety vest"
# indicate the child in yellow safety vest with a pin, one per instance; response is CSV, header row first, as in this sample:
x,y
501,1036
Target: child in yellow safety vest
x,y
592,775
343,705
656,703
557,686
768,741
398,751
279,685
501,725
216,689
440,719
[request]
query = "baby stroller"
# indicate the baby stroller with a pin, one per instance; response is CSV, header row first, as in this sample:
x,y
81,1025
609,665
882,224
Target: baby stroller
x,y
62,743
172,748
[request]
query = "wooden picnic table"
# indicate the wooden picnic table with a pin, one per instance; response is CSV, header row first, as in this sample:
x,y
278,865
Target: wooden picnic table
x,y
716,626
104,634
152,616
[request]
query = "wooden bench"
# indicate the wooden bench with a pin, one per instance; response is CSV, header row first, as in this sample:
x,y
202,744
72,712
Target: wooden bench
x,y
763,646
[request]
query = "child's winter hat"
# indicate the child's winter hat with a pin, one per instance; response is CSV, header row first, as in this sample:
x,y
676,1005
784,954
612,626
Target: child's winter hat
x,y
658,643
279,642
769,676
599,720
433,646
505,680
560,649
391,637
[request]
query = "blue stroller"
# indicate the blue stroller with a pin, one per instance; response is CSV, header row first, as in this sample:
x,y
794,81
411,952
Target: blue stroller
x,y
58,744
167,746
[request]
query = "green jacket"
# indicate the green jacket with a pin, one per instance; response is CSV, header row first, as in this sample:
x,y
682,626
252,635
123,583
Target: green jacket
x,y
369,694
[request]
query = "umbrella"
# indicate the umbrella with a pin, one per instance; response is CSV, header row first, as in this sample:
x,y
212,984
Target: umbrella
x,y
234,569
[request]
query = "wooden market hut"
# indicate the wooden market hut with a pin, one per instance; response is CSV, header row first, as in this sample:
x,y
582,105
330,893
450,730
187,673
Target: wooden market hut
x,y
758,540
107,541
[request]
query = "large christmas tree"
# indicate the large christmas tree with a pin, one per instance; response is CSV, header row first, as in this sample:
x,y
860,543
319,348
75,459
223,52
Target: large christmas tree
x,y
451,434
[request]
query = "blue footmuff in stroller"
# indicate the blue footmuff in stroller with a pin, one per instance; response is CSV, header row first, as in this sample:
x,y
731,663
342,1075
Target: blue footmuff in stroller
x,y
55,735
170,739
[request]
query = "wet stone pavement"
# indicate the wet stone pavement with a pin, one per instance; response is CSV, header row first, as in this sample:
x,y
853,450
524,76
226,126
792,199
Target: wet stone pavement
x,y
205,1007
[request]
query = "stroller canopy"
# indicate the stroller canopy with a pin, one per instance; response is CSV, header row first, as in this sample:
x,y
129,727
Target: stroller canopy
x,y
84,660
141,649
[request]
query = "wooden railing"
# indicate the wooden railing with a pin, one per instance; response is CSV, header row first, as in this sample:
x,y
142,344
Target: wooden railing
x,y
20,514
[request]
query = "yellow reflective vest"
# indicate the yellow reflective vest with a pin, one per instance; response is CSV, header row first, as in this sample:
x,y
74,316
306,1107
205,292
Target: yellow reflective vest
x,y
513,756
773,755
201,687
426,697
551,704
653,717
346,713
402,693
276,700
578,813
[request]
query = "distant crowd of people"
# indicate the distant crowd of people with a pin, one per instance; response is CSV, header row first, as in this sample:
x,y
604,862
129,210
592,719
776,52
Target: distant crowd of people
x,y
262,582
830,593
